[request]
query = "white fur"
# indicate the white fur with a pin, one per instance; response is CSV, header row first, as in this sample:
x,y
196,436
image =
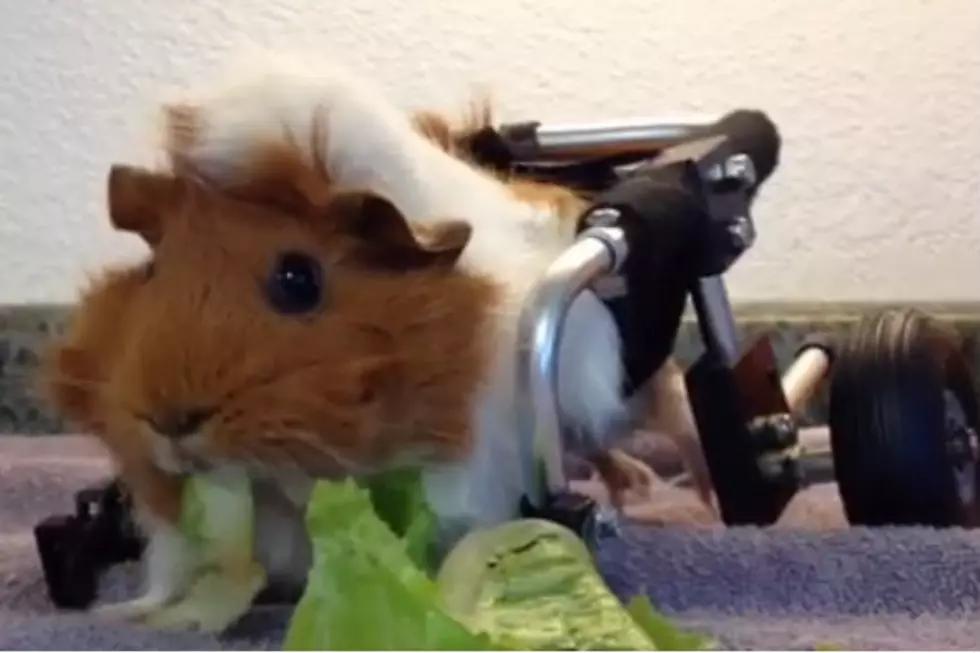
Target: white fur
x,y
370,144
168,566
226,576
183,589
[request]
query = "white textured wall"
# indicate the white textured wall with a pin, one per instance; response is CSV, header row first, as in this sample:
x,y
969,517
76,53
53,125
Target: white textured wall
x,y
879,104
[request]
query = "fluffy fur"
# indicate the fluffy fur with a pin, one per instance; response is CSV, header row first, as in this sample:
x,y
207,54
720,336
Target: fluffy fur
x,y
344,127
403,363
76,375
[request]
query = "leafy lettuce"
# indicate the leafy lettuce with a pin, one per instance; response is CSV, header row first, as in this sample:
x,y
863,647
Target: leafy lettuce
x,y
365,591
217,516
527,584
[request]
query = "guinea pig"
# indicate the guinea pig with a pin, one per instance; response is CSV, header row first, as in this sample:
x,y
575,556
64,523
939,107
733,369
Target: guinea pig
x,y
335,291
285,126
427,308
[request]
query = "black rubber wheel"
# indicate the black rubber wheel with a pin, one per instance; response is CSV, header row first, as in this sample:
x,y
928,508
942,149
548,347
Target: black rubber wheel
x,y
903,419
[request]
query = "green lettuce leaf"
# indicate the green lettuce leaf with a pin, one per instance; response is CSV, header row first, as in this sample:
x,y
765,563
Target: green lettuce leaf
x,y
217,517
533,584
364,590
399,500
665,635
522,585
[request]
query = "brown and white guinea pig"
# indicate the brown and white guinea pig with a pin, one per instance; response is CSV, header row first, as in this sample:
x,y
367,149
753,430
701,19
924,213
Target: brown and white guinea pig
x,y
332,290
405,350
294,128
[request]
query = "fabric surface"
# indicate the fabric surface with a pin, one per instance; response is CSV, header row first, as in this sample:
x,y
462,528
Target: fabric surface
x,y
805,582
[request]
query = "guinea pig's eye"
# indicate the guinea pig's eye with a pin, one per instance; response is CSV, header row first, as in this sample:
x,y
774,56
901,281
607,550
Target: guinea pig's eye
x,y
148,270
295,285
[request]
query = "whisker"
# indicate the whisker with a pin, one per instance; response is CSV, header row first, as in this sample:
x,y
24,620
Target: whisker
x,y
287,457
37,379
83,385
309,453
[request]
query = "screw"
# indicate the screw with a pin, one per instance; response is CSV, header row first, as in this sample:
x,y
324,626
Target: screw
x,y
742,233
606,217
738,168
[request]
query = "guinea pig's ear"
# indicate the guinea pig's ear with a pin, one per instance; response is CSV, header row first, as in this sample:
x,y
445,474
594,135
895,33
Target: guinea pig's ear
x,y
384,237
138,199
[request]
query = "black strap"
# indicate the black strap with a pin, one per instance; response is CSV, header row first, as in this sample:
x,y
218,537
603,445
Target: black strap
x,y
648,314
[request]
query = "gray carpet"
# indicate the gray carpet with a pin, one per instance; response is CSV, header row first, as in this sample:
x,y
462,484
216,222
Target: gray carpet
x,y
804,583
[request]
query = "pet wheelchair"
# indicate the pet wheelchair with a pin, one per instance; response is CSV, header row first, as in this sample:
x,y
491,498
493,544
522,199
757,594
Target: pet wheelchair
x,y
669,215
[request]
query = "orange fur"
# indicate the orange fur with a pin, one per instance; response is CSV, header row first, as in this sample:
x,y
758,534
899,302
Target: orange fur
x,y
88,376
75,375
388,365
449,133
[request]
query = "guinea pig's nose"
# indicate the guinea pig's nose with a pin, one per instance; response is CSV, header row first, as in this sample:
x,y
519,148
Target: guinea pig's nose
x,y
178,424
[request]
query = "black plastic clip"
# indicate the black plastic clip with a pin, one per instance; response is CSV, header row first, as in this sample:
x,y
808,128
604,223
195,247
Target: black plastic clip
x,y
76,549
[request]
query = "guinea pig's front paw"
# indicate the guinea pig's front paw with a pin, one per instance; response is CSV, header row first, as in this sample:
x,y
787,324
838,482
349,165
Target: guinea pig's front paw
x,y
216,601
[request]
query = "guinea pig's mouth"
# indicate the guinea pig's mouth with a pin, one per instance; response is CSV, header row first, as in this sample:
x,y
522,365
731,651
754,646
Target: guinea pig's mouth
x,y
175,447
181,458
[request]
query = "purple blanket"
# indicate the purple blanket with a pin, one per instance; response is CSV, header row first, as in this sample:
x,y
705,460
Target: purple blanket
x,y
807,582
